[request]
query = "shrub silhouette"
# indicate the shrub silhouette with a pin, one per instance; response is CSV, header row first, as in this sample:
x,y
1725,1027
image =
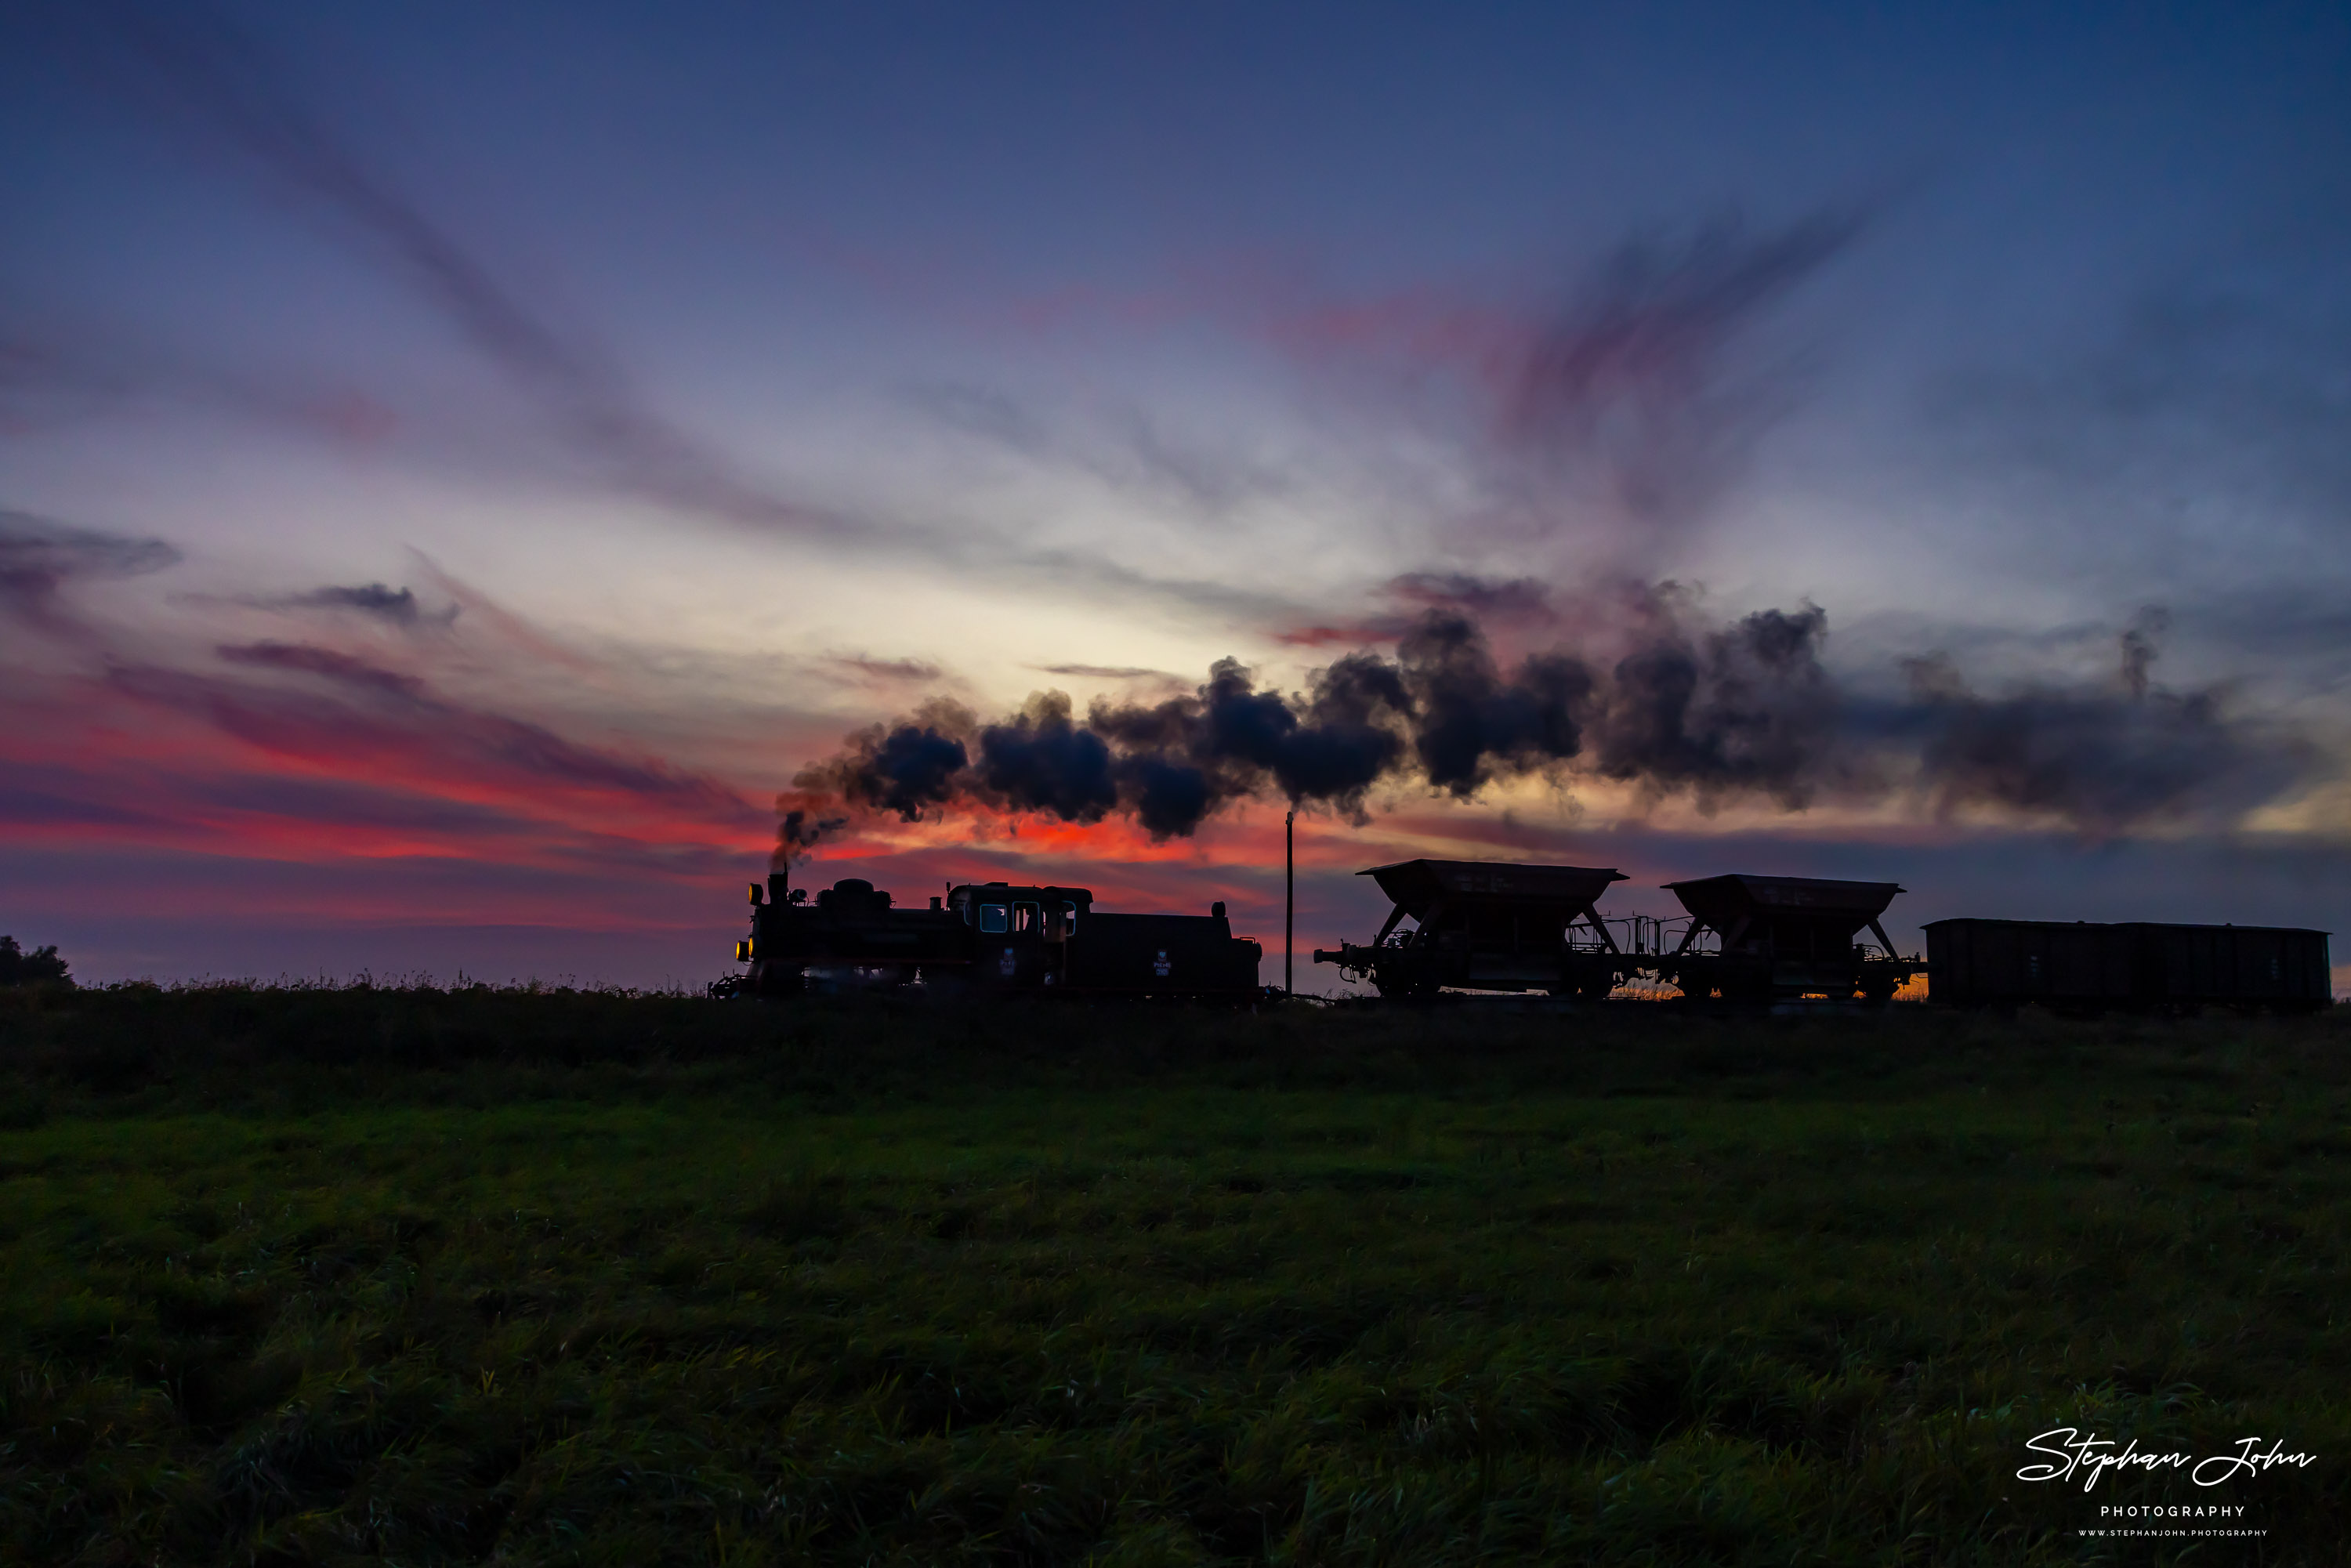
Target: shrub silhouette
x,y
18,968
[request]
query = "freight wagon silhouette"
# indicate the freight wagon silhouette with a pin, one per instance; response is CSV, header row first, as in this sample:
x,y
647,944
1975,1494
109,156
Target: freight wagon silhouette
x,y
1493,926
2140,966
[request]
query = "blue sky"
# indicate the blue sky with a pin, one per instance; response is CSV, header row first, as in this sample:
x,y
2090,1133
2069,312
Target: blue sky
x,y
459,466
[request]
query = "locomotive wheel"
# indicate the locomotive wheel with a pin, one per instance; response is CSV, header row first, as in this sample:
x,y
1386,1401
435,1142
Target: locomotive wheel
x,y
778,981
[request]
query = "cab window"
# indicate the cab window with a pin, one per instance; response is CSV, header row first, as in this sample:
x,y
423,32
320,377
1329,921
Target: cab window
x,y
992,918
1024,920
1069,917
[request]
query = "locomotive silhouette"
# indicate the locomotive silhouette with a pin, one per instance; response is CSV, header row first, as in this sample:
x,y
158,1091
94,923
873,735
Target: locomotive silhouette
x,y
990,938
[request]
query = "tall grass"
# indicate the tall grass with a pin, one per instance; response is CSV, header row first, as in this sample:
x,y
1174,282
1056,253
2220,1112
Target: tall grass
x,y
463,1276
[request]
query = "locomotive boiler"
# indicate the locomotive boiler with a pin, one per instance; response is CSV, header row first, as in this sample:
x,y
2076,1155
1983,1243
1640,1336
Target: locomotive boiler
x,y
988,938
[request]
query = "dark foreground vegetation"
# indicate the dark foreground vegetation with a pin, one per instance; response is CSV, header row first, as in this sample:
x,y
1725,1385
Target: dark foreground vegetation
x,y
297,1275
40,967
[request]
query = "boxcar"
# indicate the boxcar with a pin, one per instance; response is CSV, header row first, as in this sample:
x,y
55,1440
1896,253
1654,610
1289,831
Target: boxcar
x,y
2137,965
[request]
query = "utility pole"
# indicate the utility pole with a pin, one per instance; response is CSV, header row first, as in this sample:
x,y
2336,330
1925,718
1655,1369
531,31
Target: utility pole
x,y
1289,893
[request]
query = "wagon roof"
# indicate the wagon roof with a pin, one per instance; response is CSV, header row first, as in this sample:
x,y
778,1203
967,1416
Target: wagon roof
x,y
1419,885
1717,899
2124,925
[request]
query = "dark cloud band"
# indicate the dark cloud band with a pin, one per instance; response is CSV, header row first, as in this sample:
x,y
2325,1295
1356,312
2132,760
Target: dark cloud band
x,y
1747,709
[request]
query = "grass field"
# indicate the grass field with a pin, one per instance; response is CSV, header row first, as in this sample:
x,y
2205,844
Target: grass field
x,y
319,1275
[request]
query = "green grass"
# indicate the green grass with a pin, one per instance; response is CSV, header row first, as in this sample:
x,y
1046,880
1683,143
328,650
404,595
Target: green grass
x,y
310,1275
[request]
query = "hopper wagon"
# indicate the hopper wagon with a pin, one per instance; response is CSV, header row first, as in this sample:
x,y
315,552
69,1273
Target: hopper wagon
x,y
1494,927
1485,926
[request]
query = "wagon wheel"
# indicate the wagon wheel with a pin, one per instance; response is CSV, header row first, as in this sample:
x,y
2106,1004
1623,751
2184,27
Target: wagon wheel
x,y
1414,990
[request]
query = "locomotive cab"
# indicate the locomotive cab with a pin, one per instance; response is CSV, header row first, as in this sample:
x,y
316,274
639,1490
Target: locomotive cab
x,y
1019,936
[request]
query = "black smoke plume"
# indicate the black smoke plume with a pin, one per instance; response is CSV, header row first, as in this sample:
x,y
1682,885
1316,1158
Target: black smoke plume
x,y
1041,761
1744,710
2140,646
905,768
1473,724
2104,759
801,829
1746,707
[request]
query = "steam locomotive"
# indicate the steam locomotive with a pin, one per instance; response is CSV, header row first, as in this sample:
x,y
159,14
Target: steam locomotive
x,y
988,936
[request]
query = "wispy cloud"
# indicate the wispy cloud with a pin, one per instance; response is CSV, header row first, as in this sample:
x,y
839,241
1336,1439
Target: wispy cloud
x,y
316,750
358,713
322,662
882,672
398,606
1638,377
2206,427
223,83
1124,448
1509,605
39,557
1634,386
1106,672
1633,400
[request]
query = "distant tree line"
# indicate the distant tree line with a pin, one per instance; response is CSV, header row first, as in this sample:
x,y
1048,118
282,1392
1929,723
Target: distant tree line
x,y
18,968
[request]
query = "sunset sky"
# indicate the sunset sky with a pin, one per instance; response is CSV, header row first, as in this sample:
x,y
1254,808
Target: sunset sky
x,y
459,465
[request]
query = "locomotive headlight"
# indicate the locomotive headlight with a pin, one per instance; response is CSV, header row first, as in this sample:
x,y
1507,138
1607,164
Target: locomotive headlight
x,y
743,952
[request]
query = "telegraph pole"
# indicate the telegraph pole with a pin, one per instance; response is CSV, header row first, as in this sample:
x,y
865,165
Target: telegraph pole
x,y
1289,893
